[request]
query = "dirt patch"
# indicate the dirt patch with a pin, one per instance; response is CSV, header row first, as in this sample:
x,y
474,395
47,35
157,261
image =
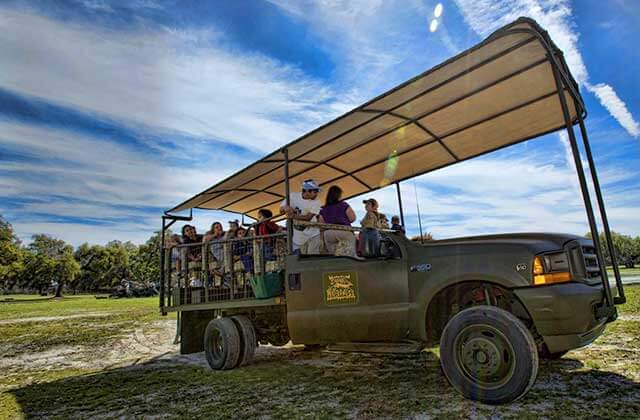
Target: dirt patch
x,y
54,318
141,345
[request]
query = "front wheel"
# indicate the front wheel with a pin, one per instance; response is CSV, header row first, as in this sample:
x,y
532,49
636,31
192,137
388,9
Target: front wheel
x,y
488,355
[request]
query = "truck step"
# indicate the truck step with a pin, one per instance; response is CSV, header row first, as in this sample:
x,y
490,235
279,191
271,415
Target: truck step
x,y
406,347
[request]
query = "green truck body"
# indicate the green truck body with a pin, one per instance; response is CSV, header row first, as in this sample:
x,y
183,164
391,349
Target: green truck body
x,y
410,293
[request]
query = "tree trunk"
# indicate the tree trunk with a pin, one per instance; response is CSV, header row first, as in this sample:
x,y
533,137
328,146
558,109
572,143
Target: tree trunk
x,y
59,289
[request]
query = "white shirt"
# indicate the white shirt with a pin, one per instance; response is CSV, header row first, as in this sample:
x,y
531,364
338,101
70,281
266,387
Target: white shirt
x,y
303,207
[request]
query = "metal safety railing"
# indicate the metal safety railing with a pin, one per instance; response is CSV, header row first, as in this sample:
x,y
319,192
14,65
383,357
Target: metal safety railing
x,y
219,270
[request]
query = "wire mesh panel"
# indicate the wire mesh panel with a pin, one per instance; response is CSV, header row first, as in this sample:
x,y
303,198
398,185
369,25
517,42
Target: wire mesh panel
x,y
221,270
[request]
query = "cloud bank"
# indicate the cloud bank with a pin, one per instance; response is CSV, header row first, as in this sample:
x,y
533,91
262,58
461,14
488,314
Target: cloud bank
x,y
556,16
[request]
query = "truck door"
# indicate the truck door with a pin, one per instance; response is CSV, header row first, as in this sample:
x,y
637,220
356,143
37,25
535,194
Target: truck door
x,y
341,299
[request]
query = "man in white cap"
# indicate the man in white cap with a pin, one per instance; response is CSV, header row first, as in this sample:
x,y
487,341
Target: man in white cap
x,y
304,206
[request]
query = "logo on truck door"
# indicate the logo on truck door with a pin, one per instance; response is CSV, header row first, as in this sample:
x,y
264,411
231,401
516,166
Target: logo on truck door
x,y
340,288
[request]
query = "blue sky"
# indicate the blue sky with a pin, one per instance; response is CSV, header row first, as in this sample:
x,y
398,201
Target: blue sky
x,y
111,112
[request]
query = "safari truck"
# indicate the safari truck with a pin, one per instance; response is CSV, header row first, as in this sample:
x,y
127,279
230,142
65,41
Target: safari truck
x,y
494,303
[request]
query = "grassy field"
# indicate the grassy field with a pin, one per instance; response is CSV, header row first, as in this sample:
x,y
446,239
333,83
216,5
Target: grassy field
x,y
82,357
624,272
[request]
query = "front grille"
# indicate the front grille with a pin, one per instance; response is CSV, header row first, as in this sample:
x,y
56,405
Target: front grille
x,y
583,262
592,269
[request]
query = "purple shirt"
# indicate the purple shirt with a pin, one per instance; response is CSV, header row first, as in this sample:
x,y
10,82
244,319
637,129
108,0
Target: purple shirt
x,y
336,213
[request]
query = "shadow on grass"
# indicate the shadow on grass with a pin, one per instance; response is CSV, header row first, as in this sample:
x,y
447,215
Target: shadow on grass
x,y
294,383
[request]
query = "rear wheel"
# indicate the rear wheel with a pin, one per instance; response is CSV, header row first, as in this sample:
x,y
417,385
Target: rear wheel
x,y
247,339
488,355
222,344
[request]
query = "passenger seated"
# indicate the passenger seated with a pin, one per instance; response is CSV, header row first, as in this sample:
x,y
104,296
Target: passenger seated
x,y
193,254
395,225
234,225
369,238
216,249
304,206
228,260
266,227
338,212
172,243
242,253
373,219
384,222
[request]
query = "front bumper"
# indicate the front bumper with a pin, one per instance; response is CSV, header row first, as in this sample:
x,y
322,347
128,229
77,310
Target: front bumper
x,y
565,314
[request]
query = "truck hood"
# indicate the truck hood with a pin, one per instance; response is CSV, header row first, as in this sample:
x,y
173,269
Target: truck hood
x,y
542,240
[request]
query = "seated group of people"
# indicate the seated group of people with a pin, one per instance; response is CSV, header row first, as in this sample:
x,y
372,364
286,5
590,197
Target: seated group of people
x,y
227,257
224,257
305,206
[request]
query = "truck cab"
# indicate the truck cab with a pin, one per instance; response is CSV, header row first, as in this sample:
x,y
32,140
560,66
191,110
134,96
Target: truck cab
x,y
408,290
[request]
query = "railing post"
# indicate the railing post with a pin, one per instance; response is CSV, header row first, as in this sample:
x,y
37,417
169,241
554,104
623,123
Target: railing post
x,y
204,270
583,182
263,260
162,269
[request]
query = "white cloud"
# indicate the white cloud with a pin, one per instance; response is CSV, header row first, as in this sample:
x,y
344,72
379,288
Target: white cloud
x,y
556,16
162,78
377,43
185,81
97,181
616,107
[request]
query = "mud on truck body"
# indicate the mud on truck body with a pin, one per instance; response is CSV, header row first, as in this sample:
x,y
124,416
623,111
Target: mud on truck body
x,y
495,304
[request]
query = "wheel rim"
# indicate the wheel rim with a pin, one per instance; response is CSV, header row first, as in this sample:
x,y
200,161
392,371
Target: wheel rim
x,y
217,345
484,355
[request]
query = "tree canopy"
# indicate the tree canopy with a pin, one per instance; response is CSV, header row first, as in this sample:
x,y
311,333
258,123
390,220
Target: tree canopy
x,y
47,262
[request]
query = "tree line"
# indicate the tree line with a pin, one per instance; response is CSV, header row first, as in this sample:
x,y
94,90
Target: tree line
x,y
626,248
49,262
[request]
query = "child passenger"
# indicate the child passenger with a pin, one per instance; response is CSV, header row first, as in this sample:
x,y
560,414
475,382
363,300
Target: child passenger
x,y
243,252
373,219
267,227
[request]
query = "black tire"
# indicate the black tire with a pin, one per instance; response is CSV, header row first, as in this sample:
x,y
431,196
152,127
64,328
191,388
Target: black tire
x,y
222,344
247,339
488,355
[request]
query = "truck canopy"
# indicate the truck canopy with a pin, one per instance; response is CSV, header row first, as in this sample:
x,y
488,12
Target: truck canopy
x,y
498,93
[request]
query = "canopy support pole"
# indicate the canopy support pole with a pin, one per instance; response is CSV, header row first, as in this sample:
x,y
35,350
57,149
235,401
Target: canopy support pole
x,y
400,204
166,226
603,214
162,273
583,185
288,201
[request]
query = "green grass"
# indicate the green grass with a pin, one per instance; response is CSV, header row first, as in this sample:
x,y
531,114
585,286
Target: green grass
x,y
70,305
602,380
624,272
632,307
101,320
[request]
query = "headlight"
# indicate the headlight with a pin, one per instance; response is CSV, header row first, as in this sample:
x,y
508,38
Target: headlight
x,y
551,268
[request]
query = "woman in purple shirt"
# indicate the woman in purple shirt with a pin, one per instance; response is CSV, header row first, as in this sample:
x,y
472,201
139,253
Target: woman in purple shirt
x,y
338,212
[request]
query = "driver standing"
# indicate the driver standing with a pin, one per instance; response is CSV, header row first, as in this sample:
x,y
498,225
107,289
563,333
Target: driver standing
x,y
304,206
